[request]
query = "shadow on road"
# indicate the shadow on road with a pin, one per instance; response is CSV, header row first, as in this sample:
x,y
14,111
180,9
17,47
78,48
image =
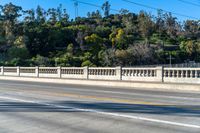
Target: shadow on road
x,y
185,110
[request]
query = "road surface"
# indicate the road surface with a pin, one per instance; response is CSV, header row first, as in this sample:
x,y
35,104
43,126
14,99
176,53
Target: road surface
x,y
27,107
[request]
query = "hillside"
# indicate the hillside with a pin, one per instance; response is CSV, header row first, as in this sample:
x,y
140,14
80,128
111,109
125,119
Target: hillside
x,y
49,38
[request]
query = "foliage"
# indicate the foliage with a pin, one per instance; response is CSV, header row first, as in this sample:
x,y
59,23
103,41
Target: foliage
x,y
48,38
15,52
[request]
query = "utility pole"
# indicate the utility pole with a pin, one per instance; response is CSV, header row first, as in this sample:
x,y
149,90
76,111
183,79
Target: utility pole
x,y
170,59
76,8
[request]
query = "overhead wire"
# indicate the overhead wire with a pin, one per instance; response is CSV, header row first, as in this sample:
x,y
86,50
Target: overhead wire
x,y
190,3
154,8
141,5
94,5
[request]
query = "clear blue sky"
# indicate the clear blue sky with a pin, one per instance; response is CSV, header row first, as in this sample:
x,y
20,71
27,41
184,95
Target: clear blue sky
x,y
171,5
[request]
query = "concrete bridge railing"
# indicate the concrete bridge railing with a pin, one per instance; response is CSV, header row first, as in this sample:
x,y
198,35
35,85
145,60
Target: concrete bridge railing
x,y
182,75
148,74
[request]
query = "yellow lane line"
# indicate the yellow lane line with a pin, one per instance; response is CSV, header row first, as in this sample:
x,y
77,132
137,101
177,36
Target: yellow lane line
x,y
90,97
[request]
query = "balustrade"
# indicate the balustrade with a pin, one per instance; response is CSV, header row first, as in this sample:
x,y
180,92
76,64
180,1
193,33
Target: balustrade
x,y
158,74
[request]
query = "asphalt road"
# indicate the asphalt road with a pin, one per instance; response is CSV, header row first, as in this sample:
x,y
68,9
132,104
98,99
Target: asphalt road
x,y
27,107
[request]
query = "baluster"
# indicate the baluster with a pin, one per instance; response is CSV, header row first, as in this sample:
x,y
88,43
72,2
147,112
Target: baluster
x,y
196,73
150,73
131,74
90,71
182,73
128,72
153,73
146,73
138,72
95,72
191,73
72,72
173,73
178,73
124,72
165,73
186,74
134,73
142,73
170,73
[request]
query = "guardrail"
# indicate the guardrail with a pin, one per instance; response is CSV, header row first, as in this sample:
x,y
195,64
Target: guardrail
x,y
148,74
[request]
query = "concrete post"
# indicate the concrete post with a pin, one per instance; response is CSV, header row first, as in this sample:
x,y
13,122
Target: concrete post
x,y
160,73
2,70
18,71
37,71
118,73
59,72
86,72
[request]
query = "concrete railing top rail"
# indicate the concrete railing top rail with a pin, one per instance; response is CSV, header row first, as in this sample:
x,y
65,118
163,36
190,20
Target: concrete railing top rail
x,y
184,68
104,68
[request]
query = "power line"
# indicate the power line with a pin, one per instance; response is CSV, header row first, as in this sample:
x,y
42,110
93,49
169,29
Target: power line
x,y
94,5
154,8
190,3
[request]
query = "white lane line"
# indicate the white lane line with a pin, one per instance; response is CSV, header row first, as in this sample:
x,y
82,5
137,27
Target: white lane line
x,y
107,113
103,91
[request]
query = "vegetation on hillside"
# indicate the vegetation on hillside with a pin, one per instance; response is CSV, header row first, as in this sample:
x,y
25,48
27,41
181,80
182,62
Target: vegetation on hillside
x,y
49,38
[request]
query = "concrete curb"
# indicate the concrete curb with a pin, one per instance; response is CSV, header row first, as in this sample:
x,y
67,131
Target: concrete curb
x,y
118,84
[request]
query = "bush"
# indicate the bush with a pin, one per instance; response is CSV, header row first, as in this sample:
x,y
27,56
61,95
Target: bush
x,y
87,63
15,52
41,61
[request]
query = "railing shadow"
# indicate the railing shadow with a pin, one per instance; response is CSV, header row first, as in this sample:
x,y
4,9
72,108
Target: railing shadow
x,y
68,106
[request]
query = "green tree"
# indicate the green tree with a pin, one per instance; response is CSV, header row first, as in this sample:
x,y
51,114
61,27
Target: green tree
x,y
30,16
119,39
145,25
106,8
191,47
53,15
10,14
40,14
